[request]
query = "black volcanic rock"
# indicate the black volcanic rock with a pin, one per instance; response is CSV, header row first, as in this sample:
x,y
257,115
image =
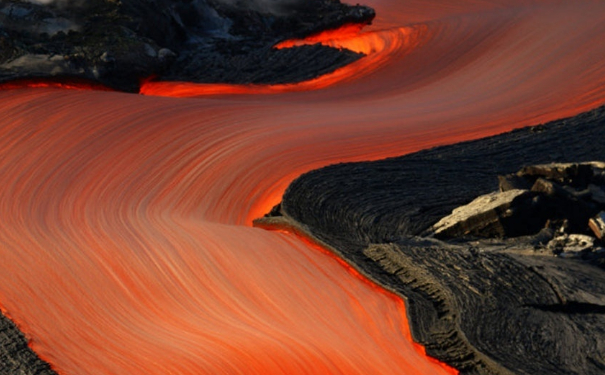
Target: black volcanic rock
x,y
501,312
87,41
289,19
489,306
15,356
406,195
118,44
259,66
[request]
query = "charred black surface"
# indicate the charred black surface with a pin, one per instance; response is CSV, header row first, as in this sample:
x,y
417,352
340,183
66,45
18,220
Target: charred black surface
x,y
120,43
483,306
260,66
492,312
572,308
15,356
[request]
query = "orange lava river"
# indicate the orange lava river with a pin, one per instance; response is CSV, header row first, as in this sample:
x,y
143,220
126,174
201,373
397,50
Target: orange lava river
x,y
126,245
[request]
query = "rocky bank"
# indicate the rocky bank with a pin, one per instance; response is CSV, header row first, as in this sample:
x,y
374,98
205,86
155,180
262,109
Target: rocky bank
x,y
496,287
120,43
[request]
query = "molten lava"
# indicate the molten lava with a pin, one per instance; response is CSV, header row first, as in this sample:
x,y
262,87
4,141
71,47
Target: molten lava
x,y
337,38
63,83
125,233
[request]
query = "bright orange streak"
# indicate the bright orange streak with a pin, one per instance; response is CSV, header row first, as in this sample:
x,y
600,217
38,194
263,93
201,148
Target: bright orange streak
x,y
312,243
69,84
328,37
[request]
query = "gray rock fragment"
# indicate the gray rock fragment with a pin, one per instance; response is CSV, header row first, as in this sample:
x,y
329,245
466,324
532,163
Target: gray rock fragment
x,y
40,64
565,173
107,57
549,188
165,53
570,245
560,192
578,175
149,50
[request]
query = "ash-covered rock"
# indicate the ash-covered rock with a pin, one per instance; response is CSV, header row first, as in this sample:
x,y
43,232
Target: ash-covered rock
x,y
576,175
571,245
120,43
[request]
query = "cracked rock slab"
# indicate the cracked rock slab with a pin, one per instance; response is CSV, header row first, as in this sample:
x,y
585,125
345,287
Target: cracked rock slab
x,y
484,216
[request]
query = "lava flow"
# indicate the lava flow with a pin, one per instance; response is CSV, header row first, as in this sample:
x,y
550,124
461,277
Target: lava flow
x,y
63,83
346,36
125,238
378,46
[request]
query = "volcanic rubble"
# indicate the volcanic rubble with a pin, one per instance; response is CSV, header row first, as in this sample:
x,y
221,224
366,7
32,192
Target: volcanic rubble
x,y
121,43
561,204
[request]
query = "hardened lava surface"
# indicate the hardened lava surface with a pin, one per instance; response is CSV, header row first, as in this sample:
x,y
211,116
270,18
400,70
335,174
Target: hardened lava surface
x,y
405,195
15,356
527,313
119,44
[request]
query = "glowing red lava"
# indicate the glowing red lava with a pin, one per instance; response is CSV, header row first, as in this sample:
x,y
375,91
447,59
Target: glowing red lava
x,y
62,83
331,38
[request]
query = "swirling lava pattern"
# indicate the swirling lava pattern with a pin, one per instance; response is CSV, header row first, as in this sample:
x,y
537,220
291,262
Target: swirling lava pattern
x,y
125,238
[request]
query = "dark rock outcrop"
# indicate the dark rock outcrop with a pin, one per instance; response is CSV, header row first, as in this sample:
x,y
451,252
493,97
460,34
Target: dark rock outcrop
x,y
491,215
15,356
531,315
120,43
87,41
484,306
406,195
566,193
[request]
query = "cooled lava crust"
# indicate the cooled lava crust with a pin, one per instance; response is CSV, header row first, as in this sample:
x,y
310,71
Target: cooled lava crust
x,y
119,44
481,306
